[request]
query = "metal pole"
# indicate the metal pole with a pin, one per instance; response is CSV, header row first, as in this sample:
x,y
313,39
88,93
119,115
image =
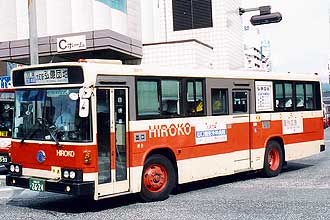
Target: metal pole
x,y
33,33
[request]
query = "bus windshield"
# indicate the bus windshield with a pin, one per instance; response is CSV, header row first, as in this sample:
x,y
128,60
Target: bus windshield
x,y
50,114
6,113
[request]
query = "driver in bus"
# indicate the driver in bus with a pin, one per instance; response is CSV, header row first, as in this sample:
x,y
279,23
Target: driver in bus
x,y
65,121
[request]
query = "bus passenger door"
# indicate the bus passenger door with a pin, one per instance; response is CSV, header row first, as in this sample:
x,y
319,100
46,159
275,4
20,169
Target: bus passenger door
x,y
241,116
112,122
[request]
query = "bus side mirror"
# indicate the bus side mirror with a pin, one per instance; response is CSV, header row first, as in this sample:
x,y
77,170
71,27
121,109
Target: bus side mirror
x,y
84,108
266,18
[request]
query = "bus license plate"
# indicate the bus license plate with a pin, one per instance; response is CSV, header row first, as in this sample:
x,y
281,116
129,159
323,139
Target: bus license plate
x,y
37,185
3,159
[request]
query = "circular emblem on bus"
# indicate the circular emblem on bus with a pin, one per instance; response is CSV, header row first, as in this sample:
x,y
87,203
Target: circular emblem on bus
x,y
41,156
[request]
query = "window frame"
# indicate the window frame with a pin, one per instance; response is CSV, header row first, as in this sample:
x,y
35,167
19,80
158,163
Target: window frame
x,y
248,111
192,13
315,94
186,107
182,97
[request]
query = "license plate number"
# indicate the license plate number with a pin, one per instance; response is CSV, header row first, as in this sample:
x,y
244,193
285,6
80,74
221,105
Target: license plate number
x,y
4,159
37,185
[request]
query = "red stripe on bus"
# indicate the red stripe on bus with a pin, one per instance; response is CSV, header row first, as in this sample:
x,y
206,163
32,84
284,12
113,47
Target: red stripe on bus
x,y
68,156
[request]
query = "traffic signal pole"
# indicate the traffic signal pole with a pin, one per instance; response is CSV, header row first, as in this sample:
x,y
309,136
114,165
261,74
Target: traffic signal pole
x,y
33,32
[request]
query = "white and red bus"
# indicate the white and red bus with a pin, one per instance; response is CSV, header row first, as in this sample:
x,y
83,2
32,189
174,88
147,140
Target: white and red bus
x,y
98,129
6,121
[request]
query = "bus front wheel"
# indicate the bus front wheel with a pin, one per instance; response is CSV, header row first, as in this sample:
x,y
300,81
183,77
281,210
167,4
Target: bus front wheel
x,y
273,160
158,178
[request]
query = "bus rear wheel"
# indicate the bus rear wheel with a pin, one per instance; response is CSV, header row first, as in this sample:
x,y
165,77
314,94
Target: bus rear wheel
x,y
273,160
158,178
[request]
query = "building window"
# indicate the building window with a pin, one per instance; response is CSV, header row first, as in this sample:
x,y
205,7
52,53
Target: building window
x,y
116,4
191,14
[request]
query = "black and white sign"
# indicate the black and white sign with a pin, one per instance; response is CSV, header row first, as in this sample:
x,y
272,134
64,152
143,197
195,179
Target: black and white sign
x,y
264,96
46,76
71,43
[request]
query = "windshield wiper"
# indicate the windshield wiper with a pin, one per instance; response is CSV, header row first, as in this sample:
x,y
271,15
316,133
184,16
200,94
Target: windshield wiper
x,y
43,122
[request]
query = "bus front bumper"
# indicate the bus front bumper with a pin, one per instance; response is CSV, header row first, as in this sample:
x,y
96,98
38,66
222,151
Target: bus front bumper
x,y
56,186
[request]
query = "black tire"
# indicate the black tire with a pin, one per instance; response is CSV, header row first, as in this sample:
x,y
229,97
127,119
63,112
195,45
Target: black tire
x,y
273,160
158,178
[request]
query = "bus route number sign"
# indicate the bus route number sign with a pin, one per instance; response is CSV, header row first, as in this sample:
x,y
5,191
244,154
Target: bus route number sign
x,y
46,76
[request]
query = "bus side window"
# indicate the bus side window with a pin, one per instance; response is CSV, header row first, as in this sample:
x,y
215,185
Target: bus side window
x,y
240,104
279,96
195,98
147,98
170,97
309,96
219,101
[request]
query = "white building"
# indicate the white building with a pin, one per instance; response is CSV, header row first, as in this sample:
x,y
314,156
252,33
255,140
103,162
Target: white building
x,y
192,33
256,48
106,28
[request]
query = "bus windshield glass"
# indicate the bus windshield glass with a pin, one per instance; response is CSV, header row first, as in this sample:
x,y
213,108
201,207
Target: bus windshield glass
x,y
51,115
6,113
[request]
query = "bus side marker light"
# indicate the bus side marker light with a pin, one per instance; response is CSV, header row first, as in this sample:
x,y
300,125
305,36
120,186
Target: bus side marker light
x,y
87,155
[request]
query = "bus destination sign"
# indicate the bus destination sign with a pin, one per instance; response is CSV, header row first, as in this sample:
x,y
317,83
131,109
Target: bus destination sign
x,y
46,76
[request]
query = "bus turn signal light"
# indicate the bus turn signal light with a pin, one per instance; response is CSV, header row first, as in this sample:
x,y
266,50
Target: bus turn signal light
x,y
87,157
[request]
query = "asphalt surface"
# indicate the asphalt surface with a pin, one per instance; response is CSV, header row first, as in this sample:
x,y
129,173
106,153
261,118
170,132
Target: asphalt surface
x,y
301,191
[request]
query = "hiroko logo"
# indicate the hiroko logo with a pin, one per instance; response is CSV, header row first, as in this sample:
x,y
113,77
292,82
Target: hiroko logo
x,y
65,153
171,130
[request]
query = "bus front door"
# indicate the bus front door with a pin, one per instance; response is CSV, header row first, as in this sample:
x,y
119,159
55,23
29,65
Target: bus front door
x,y
112,123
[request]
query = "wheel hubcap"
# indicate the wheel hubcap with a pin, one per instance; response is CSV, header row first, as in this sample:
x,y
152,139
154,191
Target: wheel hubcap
x,y
273,159
155,178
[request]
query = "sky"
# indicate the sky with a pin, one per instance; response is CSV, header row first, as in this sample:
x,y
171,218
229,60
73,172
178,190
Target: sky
x,y
300,42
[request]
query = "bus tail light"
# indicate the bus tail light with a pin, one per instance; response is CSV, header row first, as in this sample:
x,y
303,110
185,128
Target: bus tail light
x,y
87,157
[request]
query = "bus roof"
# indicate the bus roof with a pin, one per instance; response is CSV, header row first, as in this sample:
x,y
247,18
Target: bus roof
x,y
95,68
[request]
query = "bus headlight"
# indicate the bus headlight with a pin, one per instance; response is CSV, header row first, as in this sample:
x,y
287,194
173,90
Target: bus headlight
x,y
12,168
72,175
15,169
66,174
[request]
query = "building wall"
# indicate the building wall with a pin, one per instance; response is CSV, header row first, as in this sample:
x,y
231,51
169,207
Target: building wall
x,y
191,54
68,16
225,37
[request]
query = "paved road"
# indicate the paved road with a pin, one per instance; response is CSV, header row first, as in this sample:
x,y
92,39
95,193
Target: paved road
x,y
302,191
